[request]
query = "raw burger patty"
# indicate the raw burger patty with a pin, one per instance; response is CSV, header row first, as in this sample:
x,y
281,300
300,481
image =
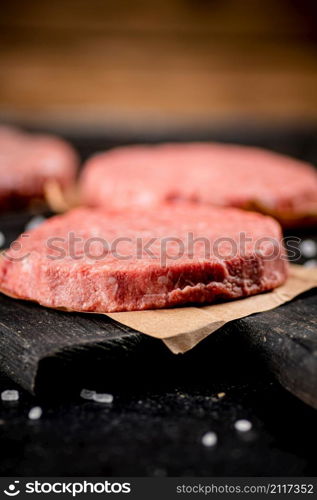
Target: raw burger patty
x,y
123,261
28,161
218,174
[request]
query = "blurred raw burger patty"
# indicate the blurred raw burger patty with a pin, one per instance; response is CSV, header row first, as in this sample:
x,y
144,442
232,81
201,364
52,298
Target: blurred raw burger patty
x,y
28,162
96,260
218,174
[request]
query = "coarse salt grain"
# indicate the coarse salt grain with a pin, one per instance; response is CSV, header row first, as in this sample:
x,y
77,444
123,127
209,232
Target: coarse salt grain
x,y
311,263
35,413
2,239
10,395
36,221
209,439
87,394
103,398
243,425
308,248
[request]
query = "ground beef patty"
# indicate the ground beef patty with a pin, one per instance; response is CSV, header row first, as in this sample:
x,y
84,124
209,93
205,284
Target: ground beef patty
x,y
28,162
218,174
96,260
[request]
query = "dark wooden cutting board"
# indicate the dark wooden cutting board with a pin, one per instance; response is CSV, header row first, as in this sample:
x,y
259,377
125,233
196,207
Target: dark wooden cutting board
x,y
285,338
35,342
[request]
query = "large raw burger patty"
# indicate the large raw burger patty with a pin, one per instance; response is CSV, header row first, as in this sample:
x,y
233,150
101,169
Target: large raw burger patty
x,y
218,174
96,260
28,162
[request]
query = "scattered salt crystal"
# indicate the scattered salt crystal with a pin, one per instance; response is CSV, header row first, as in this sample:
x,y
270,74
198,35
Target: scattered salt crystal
x,y
221,394
243,425
2,239
209,439
308,248
311,263
103,398
10,395
35,413
34,222
94,396
87,394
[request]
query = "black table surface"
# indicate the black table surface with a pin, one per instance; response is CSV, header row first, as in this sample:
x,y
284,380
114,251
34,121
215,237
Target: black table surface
x,y
163,404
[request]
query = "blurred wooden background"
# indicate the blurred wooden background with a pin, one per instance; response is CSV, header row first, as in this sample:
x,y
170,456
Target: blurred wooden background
x,y
176,61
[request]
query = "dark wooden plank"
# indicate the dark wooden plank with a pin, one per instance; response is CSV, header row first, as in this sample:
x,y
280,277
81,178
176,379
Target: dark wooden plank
x,y
29,334
286,338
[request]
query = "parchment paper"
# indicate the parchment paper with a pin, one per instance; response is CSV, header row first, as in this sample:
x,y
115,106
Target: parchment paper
x,y
184,327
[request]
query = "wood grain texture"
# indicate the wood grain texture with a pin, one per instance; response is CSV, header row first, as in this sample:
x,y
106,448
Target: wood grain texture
x,y
164,62
286,338
29,334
